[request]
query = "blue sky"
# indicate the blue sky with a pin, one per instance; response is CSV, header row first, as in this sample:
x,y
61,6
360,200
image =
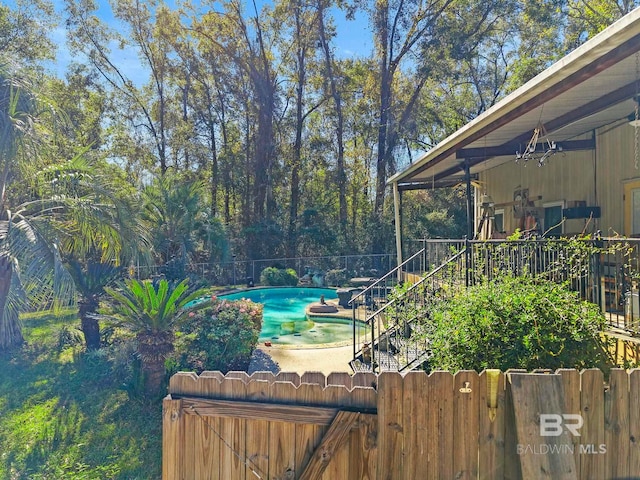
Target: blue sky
x,y
353,39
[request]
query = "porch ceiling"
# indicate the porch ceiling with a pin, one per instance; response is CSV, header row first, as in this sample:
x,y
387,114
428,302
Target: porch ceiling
x,y
591,87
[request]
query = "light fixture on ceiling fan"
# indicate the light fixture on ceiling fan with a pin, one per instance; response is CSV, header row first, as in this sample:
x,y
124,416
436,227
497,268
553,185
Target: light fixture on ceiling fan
x,y
549,147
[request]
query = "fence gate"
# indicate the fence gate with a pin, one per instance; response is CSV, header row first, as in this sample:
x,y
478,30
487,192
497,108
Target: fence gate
x,y
557,425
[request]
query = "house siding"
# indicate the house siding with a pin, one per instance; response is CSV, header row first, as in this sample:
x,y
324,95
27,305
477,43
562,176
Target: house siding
x,y
595,177
615,167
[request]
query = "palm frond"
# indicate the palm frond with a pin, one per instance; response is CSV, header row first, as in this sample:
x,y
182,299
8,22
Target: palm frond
x,y
195,295
10,326
143,307
92,277
170,303
44,277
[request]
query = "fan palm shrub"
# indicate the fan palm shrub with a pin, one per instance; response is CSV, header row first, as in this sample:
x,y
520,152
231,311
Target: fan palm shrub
x,y
182,231
29,263
151,312
49,209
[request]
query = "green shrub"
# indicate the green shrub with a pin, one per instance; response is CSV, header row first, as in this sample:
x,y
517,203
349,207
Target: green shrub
x,y
275,277
220,336
515,323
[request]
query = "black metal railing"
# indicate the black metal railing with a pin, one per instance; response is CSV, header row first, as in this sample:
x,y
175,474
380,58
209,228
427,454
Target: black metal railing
x,y
372,298
604,271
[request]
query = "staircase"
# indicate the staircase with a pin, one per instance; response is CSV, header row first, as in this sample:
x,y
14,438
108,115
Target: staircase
x,y
394,308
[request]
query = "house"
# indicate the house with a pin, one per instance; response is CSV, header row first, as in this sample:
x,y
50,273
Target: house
x,y
559,147
557,157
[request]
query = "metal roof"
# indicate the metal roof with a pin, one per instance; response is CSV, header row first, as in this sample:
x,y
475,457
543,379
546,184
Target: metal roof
x,y
593,86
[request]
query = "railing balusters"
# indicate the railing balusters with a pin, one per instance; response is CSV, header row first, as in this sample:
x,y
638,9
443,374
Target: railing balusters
x,y
603,271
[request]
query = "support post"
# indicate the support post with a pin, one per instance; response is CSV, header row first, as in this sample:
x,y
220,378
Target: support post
x,y
467,178
397,199
172,438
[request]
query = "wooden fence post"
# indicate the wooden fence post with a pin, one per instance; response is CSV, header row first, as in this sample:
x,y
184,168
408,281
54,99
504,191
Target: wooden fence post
x,y
634,423
257,432
491,417
616,424
592,465
571,387
415,412
172,438
440,425
390,428
466,386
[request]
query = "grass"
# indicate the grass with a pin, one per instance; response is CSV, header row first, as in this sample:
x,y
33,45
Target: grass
x,y
64,413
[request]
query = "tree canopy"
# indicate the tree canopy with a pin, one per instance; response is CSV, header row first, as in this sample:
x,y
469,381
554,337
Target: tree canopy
x,y
280,143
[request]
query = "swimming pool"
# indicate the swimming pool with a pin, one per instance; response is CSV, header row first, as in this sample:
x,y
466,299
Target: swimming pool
x,y
285,321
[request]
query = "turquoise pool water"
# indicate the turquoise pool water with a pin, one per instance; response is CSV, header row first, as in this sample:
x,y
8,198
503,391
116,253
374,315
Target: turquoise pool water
x,y
285,321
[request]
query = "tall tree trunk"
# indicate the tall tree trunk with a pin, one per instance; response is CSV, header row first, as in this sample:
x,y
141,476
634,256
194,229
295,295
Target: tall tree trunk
x,y
382,34
263,78
337,100
214,167
296,161
185,115
292,232
246,194
263,149
226,156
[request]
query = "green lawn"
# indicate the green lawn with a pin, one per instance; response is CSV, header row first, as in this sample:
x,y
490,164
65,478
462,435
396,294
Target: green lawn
x,y
65,415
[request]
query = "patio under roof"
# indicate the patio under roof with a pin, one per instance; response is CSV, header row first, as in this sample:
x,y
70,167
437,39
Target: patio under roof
x,y
593,86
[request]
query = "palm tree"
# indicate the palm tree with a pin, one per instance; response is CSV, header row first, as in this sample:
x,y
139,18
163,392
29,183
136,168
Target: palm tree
x,y
18,110
113,236
46,210
90,280
10,331
176,214
151,313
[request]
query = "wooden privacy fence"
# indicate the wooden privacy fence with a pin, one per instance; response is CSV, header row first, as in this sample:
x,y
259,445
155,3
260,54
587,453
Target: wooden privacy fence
x,y
562,425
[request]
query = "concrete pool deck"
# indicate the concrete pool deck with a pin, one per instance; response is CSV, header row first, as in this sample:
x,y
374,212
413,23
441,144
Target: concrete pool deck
x,y
325,358
300,360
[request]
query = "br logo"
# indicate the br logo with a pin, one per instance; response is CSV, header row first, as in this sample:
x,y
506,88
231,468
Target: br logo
x,y
552,424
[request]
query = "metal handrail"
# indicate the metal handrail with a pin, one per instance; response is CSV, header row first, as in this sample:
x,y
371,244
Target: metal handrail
x,y
417,284
370,320
387,275
607,275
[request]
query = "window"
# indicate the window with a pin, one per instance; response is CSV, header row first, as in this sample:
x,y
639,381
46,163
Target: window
x,y
553,224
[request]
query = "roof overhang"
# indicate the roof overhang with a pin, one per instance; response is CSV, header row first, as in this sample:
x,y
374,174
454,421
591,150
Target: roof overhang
x,y
593,86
